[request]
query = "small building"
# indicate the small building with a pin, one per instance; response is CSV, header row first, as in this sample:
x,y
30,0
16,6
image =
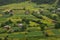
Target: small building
x,y
54,21
58,9
53,11
27,12
11,12
7,27
37,11
41,10
20,25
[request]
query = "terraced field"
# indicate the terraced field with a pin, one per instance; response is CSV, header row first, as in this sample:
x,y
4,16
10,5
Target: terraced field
x,y
36,25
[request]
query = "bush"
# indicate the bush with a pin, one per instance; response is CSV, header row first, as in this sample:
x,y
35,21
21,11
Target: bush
x,y
37,15
43,1
25,20
2,24
57,26
23,28
2,31
16,29
0,38
6,38
14,25
19,22
46,35
6,12
8,22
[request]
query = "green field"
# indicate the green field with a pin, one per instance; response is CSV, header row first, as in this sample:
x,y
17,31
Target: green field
x,y
36,26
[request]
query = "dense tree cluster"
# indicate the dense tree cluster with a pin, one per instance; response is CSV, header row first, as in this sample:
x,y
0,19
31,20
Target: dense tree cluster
x,y
43,1
3,2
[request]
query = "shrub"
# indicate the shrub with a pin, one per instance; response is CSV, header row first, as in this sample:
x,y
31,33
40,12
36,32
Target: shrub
x,y
8,22
6,12
23,28
2,24
0,38
3,31
57,25
6,38
25,20
37,15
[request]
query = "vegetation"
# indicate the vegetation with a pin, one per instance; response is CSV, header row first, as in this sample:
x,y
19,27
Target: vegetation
x,y
29,19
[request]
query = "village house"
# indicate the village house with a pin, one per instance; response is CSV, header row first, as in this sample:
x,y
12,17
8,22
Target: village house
x,y
20,25
27,12
37,11
7,27
53,11
11,12
41,10
58,9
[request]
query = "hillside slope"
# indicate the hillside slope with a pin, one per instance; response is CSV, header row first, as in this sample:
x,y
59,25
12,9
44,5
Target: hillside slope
x,y
29,20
